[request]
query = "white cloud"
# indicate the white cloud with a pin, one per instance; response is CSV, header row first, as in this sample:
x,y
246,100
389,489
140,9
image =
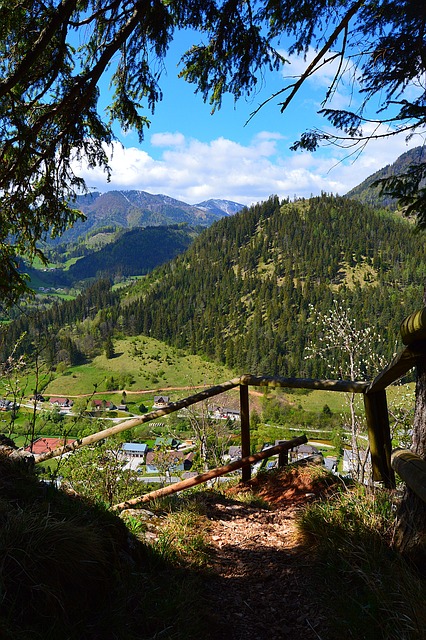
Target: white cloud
x,y
192,170
167,139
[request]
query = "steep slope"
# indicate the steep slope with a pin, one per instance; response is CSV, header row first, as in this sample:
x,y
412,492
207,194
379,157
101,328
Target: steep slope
x,y
242,292
369,194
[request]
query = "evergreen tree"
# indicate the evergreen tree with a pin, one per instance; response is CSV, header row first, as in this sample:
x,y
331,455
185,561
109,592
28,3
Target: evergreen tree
x,y
50,89
109,348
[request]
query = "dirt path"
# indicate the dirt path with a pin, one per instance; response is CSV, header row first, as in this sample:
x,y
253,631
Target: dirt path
x,y
260,582
140,392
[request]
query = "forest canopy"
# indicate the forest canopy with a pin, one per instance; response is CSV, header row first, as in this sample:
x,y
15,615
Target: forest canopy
x,y
54,54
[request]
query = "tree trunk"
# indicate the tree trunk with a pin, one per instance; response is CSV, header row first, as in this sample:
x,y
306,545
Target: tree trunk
x,y
410,533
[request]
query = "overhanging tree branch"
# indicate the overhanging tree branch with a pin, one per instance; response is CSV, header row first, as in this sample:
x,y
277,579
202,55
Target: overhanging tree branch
x,y
311,68
58,22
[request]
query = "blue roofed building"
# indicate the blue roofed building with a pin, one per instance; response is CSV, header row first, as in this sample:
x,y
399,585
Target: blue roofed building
x,y
134,449
134,454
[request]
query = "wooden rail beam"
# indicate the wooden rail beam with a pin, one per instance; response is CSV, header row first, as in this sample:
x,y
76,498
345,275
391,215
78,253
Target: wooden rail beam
x,y
400,365
305,383
412,469
209,475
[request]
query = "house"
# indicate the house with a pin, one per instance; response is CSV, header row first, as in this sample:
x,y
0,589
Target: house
x,y
134,449
234,453
7,405
300,452
188,459
223,413
122,407
160,402
168,443
44,445
134,454
37,398
182,460
330,463
64,403
175,460
103,405
150,464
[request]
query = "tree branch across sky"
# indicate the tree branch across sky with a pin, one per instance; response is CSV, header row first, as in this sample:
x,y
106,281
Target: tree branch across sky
x,y
54,56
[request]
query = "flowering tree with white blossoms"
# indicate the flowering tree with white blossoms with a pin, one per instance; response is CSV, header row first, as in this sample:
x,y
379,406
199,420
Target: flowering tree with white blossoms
x,y
350,355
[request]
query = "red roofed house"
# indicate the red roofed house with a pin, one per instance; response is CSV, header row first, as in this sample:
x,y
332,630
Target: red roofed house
x,y
103,405
43,445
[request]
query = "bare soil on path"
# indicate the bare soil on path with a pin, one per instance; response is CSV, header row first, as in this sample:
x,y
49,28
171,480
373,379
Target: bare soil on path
x,y
260,585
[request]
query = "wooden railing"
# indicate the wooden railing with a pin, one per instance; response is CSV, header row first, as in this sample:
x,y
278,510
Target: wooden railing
x,y
412,469
375,403
244,463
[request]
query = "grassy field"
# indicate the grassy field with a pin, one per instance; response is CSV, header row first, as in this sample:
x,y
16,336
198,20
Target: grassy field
x,y
145,367
140,364
315,400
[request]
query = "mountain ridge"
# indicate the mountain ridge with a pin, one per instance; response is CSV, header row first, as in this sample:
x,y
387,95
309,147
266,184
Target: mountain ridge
x,y
136,208
367,193
243,292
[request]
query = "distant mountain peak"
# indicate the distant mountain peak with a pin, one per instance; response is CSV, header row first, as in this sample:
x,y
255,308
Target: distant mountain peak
x,y
227,207
133,208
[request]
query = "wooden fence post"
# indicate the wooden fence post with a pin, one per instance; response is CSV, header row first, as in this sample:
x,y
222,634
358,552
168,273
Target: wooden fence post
x,y
245,430
283,456
376,413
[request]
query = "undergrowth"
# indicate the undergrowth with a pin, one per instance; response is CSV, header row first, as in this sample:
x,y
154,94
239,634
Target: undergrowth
x,y
72,570
370,591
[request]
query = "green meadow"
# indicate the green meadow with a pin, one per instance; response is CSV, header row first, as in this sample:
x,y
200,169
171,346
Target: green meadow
x,y
145,367
316,400
139,364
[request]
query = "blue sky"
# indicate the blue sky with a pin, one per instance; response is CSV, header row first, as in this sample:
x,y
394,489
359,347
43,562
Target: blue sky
x,y
192,155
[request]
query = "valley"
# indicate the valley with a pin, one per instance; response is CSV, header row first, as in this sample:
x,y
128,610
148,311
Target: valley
x,y
243,295
212,416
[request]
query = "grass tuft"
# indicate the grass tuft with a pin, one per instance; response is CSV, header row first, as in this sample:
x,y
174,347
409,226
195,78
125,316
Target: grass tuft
x,y
71,569
370,591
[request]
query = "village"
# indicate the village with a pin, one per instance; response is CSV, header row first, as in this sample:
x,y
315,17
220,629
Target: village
x,y
165,458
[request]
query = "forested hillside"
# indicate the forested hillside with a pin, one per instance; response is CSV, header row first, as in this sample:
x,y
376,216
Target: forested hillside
x,y
135,252
71,331
369,194
241,293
